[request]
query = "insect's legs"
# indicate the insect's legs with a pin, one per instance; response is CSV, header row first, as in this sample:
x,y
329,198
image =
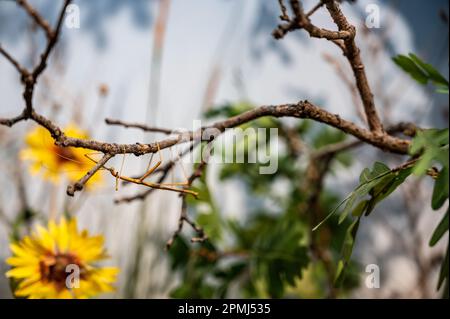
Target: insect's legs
x,y
120,172
152,169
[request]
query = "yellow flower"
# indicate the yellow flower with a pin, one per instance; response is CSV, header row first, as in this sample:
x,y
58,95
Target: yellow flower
x,y
57,161
59,262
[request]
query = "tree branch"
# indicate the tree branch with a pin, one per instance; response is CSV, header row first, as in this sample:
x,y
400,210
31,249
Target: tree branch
x,y
303,109
352,53
40,21
14,62
185,218
79,185
201,236
142,127
345,39
51,42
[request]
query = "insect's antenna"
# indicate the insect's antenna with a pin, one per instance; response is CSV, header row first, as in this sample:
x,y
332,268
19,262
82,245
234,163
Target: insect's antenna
x,y
150,162
89,157
67,158
120,171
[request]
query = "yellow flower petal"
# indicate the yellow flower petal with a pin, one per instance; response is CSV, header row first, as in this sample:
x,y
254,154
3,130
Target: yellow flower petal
x,y
40,263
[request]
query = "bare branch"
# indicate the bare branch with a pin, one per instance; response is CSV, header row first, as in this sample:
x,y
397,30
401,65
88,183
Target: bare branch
x,y
302,21
13,61
284,15
345,39
315,8
302,109
198,172
40,21
142,127
352,53
201,237
332,149
14,120
407,129
51,42
79,185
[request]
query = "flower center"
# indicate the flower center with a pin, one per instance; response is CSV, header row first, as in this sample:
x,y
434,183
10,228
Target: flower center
x,y
54,268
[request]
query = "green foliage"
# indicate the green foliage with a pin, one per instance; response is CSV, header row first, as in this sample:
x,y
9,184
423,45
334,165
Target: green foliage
x,y
265,253
374,185
433,146
347,248
421,72
429,147
22,220
193,263
440,230
279,255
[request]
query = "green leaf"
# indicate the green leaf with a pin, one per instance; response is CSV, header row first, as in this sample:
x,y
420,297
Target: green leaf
x,y
332,212
365,176
433,74
347,208
347,249
440,230
179,253
379,169
339,272
443,274
432,146
360,208
421,72
440,190
386,186
442,90
368,179
278,255
411,68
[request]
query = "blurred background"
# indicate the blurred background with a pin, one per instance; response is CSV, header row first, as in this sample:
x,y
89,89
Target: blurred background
x,y
205,54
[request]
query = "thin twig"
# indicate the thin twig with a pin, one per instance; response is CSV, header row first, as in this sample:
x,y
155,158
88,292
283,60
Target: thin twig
x,y
13,61
284,15
201,236
40,21
352,53
78,186
142,127
345,39
51,43
302,21
315,8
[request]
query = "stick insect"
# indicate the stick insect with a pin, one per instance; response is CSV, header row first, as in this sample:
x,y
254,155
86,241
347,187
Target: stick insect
x,y
174,187
179,187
